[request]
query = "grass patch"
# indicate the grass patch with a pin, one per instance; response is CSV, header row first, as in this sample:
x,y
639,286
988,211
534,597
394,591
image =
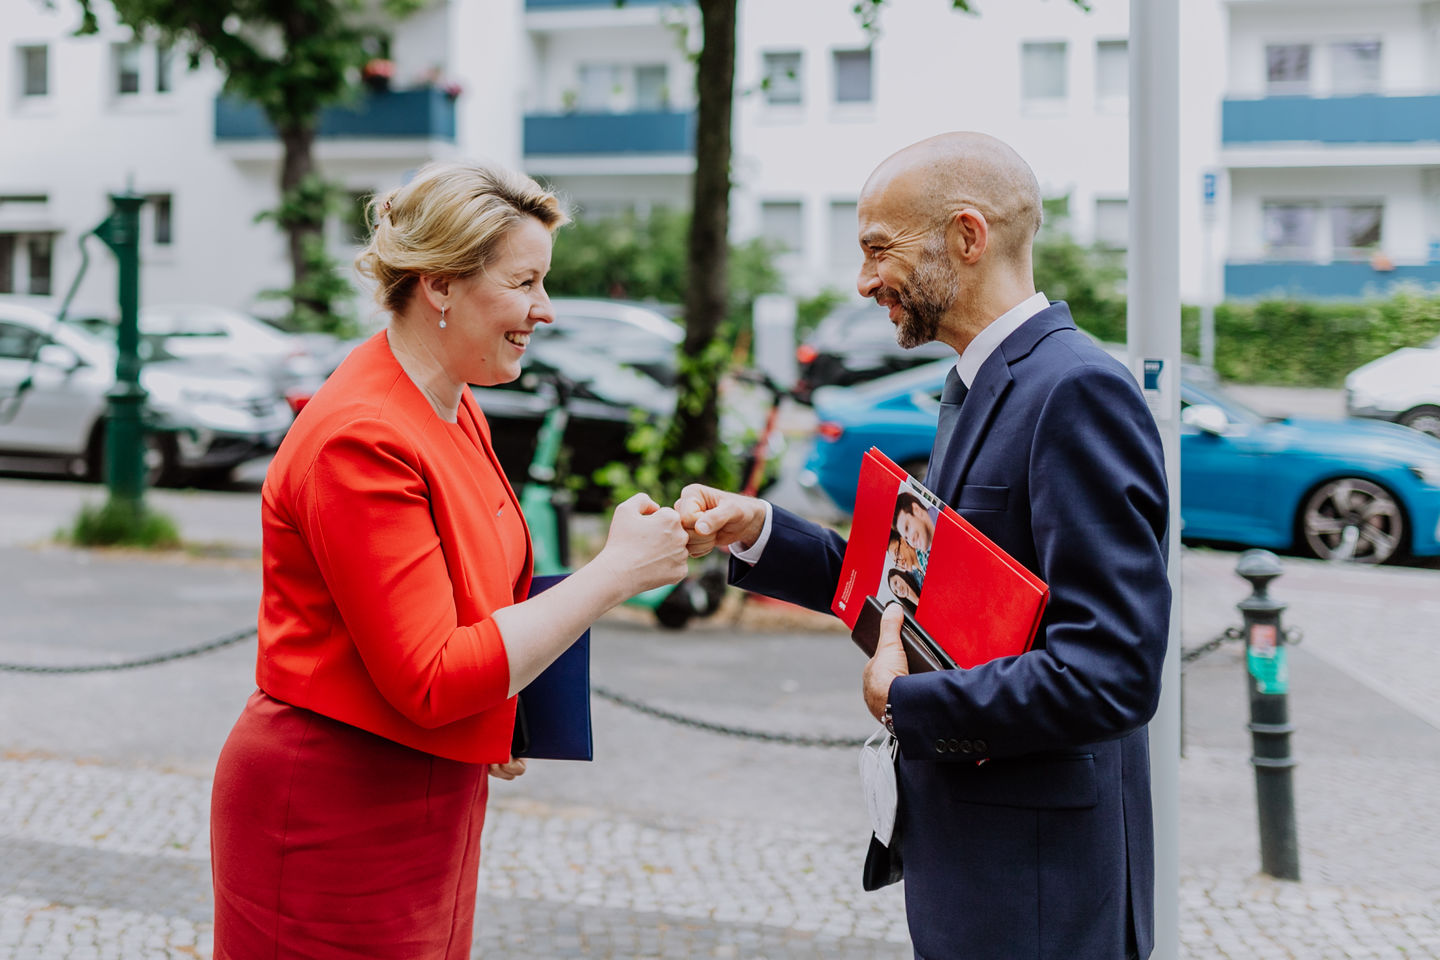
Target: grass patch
x,y
119,523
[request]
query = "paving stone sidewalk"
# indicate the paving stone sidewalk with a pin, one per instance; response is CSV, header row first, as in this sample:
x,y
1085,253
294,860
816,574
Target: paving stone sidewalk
x,y
731,849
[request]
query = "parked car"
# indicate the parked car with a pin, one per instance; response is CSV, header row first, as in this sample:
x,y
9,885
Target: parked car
x,y
638,335
1357,489
204,417
1403,387
855,343
292,362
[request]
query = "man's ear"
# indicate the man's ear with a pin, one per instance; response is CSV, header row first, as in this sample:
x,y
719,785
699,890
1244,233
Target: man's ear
x,y
967,235
436,290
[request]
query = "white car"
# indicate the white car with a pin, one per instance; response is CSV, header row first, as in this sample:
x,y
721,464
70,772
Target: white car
x,y
203,418
1403,387
292,362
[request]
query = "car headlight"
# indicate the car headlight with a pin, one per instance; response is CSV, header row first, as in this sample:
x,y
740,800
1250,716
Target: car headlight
x,y
1427,473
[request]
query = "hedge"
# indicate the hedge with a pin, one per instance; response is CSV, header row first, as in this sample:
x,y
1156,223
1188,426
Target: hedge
x,y
1293,342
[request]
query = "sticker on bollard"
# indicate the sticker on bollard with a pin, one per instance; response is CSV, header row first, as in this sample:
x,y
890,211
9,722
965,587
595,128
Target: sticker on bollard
x,y
1265,658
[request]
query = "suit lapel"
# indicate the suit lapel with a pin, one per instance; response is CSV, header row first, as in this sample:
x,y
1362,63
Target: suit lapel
x,y
952,455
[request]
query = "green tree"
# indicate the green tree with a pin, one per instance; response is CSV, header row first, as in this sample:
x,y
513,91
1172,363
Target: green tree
x,y
293,58
1090,279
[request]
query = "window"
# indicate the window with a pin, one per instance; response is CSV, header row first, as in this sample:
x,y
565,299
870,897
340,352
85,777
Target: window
x,y
599,84
844,229
1112,224
1355,228
17,342
852,76
1290,230
7,263
161,227
127,68
34,71
1287,68
164,61
651,90
1042,71
38,247
1112,70
782,222
1355,67
34,270
782,83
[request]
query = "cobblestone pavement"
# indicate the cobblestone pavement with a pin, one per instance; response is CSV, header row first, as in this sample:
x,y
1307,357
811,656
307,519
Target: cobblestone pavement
x,y
679,843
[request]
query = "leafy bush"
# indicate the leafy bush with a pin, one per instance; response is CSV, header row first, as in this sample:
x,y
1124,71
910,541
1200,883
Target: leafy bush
x,y
631,257
119,523
1302,343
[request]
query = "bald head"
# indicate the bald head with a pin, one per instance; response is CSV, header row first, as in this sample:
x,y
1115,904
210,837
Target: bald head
x,y
936,178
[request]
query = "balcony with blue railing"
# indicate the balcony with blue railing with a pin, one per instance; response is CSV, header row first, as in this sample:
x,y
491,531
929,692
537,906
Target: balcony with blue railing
x,y
1331,120
1309,280
424,114
645,133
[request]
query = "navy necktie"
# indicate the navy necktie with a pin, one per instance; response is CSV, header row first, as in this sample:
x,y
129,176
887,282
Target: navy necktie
x,y
950,399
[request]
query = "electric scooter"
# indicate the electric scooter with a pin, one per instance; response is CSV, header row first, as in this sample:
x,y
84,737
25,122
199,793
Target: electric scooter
x,y
546,506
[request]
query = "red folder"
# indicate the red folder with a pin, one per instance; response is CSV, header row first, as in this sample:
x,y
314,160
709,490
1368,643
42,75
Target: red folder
x,y
974,599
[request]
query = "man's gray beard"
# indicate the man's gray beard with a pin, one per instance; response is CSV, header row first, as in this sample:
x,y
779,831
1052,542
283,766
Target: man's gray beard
x,y
925,299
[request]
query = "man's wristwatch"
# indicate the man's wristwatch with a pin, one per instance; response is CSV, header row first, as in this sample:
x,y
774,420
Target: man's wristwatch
x,y
887,720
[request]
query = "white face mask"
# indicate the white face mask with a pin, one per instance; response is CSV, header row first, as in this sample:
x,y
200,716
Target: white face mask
x,y
877,779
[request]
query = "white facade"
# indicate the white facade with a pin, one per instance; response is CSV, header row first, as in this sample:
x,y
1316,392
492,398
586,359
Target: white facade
x,y
599,101
1331,144
74,133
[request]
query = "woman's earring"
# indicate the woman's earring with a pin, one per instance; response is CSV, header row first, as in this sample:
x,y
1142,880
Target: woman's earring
x,y
442,316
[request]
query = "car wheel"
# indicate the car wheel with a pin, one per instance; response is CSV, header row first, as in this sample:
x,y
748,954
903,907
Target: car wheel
x,y
161,457
1426,419
1352,519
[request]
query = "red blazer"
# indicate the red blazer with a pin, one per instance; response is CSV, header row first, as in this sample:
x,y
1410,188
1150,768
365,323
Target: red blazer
x,y
390,538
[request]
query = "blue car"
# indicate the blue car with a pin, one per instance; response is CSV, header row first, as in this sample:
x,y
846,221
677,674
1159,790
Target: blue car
x,y
1353,489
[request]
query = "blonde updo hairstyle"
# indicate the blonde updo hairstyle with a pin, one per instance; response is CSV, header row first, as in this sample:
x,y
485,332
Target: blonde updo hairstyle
x,y
449,222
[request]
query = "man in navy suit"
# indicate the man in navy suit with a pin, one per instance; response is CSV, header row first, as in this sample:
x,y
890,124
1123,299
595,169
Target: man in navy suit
x,y
1024,783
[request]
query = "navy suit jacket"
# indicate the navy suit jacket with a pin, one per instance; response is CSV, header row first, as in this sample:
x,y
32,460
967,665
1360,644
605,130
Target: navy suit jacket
x,y
1045,850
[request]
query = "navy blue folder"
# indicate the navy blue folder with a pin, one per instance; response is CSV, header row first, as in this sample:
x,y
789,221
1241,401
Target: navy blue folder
x,y
552,721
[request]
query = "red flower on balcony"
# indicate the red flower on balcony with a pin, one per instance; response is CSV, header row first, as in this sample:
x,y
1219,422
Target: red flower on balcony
x,y
378,68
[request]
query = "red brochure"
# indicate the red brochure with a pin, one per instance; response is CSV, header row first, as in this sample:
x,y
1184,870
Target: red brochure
x,y
974,599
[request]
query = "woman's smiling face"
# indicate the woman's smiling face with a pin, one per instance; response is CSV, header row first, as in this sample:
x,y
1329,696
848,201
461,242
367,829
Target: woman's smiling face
x,y
492,312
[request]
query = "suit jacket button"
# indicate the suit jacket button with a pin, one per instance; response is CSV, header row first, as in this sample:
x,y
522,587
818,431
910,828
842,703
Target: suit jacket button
x,y
981,746
954,746
940,746
965,746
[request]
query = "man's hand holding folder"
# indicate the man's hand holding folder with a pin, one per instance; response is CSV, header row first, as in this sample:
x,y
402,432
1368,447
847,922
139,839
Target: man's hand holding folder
x,y
888,661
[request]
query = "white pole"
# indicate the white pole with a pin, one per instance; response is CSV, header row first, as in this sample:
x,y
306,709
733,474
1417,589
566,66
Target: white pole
x,y
1207,276
1153,333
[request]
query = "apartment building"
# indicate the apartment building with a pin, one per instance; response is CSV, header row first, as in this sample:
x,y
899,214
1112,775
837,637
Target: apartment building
x,y
1331,146
1308,139
85,117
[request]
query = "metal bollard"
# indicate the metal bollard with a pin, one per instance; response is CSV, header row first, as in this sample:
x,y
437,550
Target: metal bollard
x,y
1270,727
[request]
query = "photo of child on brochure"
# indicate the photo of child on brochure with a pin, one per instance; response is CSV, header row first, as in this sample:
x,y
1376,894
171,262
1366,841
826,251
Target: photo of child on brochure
x,y
912,535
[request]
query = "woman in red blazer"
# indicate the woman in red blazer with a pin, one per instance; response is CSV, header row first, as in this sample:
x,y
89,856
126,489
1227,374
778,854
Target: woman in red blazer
x,y
394,630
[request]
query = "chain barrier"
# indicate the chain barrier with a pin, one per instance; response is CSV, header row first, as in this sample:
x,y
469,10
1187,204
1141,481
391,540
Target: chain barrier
x,y
603,692
791,739
1292,636
1210,646
219,643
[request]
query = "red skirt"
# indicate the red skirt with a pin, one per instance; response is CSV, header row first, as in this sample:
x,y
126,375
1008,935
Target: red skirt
x,y
328,842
